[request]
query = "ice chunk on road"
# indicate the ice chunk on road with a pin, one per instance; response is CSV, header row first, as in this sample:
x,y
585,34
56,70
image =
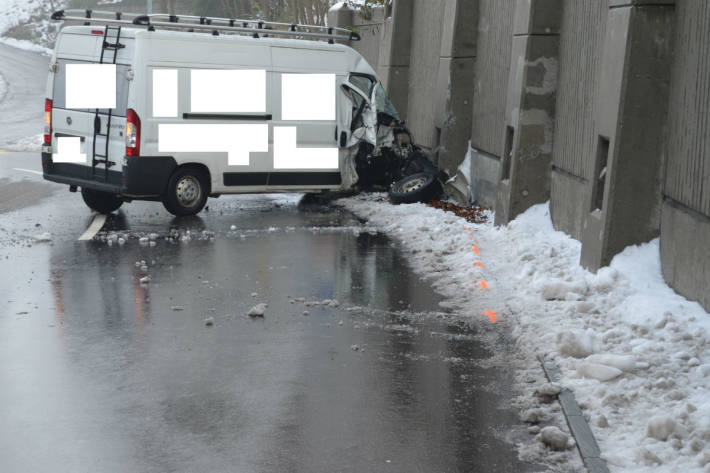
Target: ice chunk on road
x,y
576,343
46,236
660,427
554,438
209,321
257,311
548,392
620,362
598,371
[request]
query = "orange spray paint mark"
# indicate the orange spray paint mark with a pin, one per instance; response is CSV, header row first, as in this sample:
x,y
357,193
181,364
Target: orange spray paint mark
x,y
483,284
475,249
479,264
491,315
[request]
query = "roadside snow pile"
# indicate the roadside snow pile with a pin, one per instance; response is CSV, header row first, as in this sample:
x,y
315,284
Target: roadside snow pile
x,y
26,24
628,346
28,144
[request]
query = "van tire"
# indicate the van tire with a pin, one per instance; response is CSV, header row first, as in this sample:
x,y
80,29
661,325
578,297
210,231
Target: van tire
x,y
187,191
102,202
419,187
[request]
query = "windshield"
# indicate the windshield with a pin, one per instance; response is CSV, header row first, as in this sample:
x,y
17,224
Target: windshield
x,y
384,104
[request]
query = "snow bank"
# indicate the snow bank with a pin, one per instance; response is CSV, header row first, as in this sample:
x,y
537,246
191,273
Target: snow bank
x,y
629,347
26,45
13,12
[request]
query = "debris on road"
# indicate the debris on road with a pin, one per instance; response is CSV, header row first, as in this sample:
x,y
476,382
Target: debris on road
x,y
473,214
145,280
257,311
209,321
177,308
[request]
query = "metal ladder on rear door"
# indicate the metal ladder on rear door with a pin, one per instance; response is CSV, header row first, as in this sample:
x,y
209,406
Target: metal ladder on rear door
x,y
103,158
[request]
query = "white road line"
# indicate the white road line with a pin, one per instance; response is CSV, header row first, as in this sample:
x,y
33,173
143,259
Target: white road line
x,y
94,228
28,170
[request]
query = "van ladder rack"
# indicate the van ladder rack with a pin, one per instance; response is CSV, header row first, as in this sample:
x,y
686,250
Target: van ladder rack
x,y
103,158
191,23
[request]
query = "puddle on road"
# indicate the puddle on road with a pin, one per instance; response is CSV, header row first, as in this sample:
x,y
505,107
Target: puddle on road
x,y
385,379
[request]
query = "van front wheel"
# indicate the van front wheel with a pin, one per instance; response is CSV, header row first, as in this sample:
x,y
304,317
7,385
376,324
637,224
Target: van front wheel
x,y
102,202
187,192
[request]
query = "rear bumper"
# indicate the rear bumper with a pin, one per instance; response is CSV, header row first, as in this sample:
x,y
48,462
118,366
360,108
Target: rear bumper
x,y
141,177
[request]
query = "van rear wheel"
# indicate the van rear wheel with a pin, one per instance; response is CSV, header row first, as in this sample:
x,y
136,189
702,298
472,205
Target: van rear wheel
x,y
187,192
102,202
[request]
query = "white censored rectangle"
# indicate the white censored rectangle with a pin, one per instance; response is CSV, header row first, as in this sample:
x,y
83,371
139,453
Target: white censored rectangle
x,y
235,140
308,96
288,156
227,90
91,86
165,93
69,150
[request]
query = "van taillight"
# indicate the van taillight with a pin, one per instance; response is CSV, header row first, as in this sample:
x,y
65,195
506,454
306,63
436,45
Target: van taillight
x,y
133,133
48,121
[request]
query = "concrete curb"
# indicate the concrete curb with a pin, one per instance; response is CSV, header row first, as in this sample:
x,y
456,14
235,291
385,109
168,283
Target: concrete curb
x,y
586,443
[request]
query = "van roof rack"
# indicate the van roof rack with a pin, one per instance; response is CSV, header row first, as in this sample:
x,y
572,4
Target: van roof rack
x,y
254,28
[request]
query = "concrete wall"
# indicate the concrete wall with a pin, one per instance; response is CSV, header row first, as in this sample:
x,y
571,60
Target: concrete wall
x,y
600,106
495,36
685,216
580,48
425,104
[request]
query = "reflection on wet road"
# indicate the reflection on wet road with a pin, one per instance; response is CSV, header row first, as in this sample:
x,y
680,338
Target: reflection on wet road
x,y
102,372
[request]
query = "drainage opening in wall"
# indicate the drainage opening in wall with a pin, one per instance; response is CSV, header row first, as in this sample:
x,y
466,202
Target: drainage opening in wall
x,y
600,171
508,154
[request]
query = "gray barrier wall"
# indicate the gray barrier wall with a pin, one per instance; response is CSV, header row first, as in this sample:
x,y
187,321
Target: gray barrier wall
x,y
600,106
685,215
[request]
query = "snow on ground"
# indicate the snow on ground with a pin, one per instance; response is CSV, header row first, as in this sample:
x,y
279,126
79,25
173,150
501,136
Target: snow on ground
x,y
26,45
13,12
38,31
28,144
632,350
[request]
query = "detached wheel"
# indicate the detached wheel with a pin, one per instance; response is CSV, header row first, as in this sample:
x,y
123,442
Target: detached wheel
x,y
187,192
420,187
102,202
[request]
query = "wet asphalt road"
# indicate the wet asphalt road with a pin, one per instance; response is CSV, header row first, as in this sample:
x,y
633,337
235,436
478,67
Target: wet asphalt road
x,y
101,373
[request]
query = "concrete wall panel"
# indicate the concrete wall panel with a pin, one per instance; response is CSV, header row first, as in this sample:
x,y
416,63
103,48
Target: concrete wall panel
x,y
581,43
688,149
495,35
685,251
427,18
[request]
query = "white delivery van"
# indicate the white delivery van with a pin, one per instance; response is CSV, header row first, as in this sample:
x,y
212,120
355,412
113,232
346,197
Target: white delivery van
x,y
176,109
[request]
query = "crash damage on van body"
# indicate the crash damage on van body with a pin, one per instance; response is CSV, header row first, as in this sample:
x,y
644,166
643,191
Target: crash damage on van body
x,y
174,152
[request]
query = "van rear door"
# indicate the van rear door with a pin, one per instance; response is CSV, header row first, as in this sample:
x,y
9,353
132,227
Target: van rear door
x,y
89,128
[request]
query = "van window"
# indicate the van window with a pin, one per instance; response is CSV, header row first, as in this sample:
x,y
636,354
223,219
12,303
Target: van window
x,y
362,82
384,104
121,87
